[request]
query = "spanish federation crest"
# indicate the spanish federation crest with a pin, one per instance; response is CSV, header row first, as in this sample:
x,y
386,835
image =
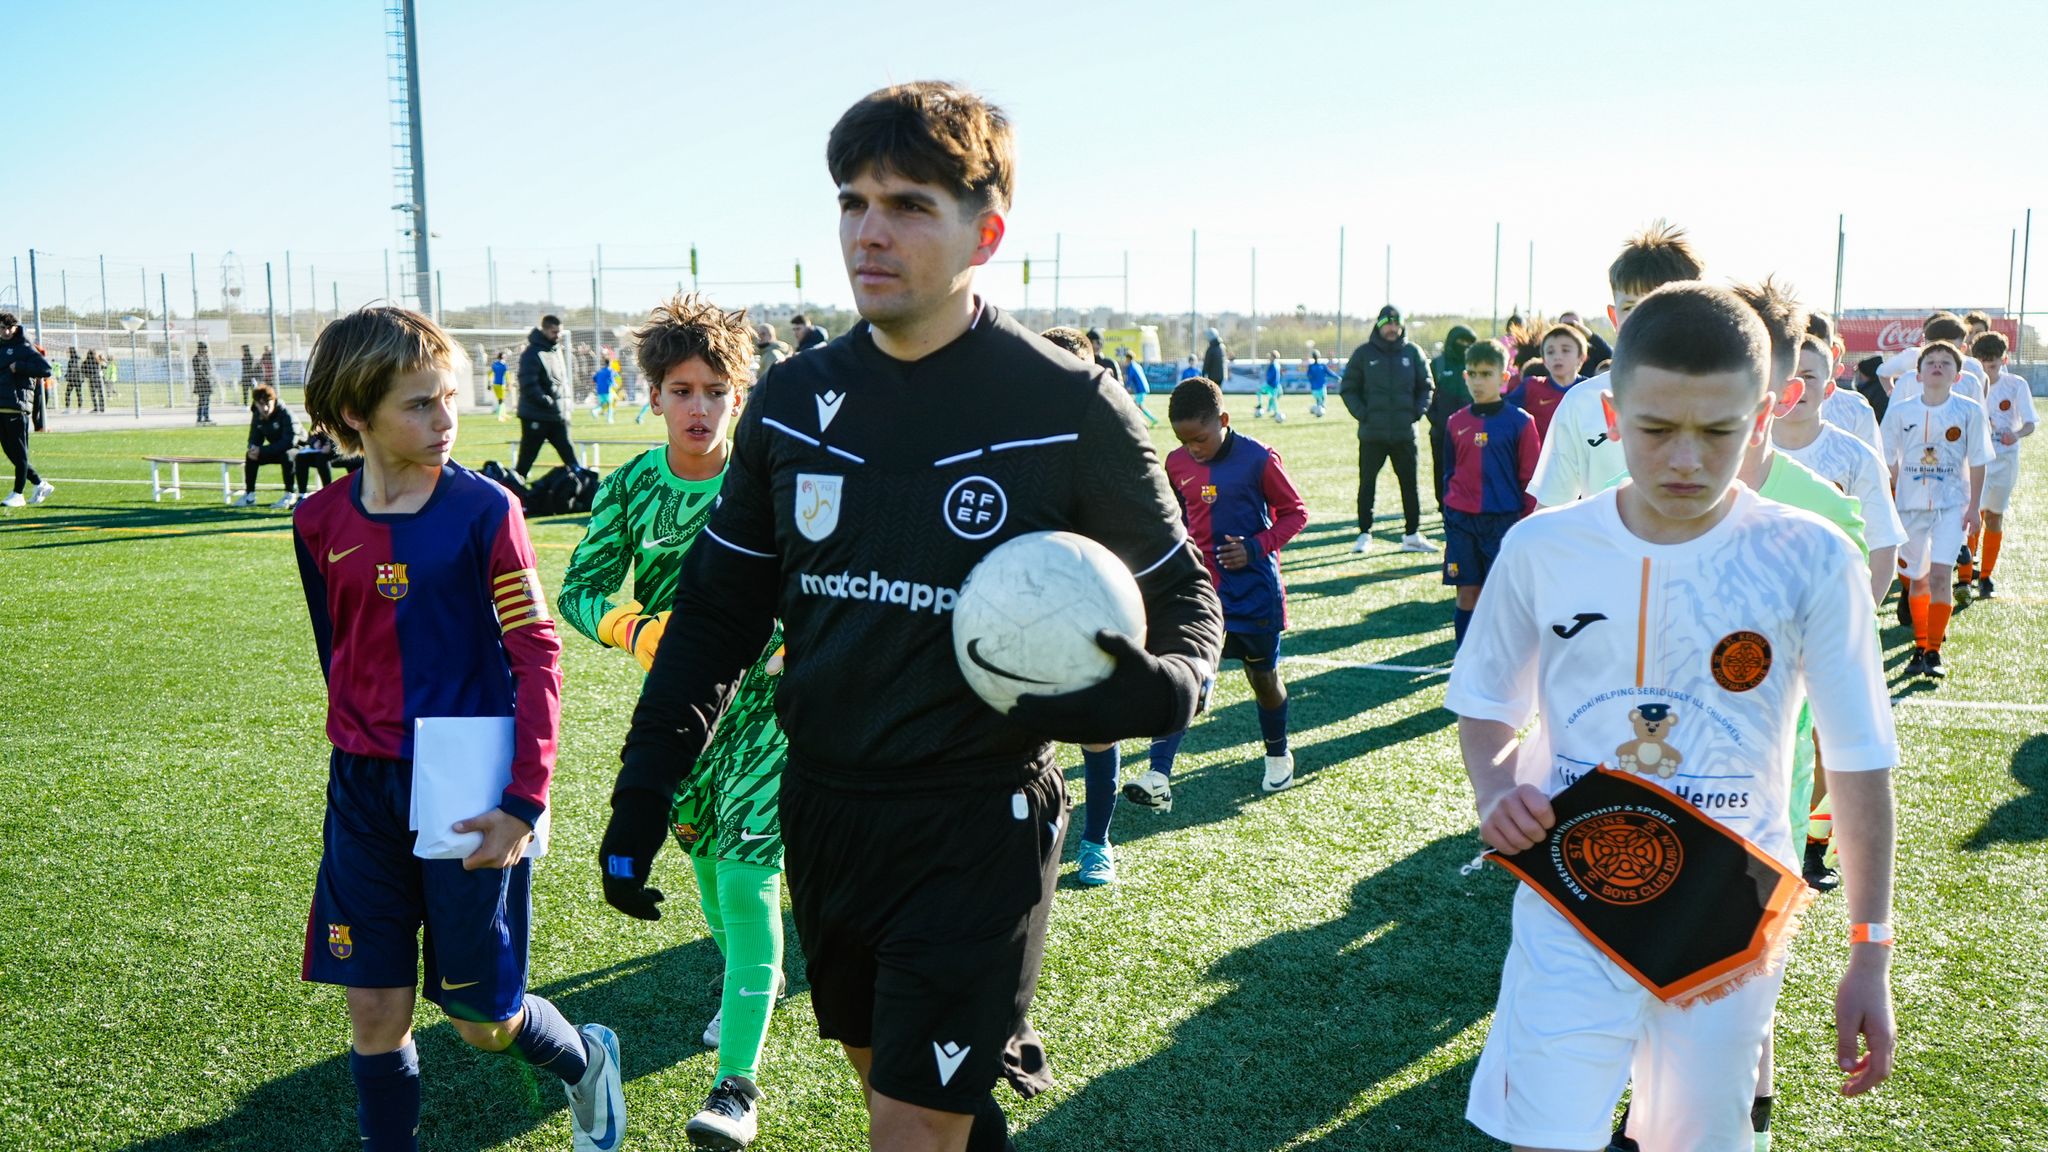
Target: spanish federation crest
x,y
817,504
338,941
391,582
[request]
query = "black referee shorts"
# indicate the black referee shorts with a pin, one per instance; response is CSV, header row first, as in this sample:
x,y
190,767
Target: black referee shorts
x,y
922,920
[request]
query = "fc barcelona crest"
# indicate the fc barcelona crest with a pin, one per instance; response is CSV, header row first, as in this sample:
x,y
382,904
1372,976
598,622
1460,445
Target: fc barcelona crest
x,y
338,941
1208,493
391,583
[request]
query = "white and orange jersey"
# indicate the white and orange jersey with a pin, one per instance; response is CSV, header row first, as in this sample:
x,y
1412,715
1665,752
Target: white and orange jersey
x,y
2009,405
1933,448
1683,663
1855,468
1848,410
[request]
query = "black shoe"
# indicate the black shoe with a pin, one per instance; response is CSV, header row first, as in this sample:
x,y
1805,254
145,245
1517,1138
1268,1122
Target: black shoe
x,y
1985,588
728,1120
1621,1143
1905,610
1931,667
1917,666
1819,876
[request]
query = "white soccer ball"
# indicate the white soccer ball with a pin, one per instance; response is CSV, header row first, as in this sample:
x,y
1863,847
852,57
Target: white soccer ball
x,y
1028,614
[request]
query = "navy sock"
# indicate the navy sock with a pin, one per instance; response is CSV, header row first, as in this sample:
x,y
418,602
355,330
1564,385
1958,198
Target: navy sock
x,y
1101,770
1461,619
1164,749
549,1041
387,1098
1760,1113
1273,728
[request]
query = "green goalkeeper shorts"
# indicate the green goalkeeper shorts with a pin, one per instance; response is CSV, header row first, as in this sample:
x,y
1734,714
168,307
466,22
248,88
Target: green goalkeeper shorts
x,y
730,808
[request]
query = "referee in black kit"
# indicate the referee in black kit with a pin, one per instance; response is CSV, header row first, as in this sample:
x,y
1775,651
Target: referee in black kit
x,y
868,476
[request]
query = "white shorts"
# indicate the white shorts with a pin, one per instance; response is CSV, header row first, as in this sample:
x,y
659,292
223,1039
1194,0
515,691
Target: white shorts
x,y
1931,538
1571,1030
1999,478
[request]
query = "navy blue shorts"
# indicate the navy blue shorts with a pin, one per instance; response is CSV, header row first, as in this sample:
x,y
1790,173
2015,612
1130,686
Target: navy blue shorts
x,y
1260,650
1472,543
373,896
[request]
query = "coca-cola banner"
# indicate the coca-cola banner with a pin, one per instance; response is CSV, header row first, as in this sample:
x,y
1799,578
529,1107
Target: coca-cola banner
x,y
1886,335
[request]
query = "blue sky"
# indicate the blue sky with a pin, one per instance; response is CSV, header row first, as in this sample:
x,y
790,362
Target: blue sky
x,y
644,127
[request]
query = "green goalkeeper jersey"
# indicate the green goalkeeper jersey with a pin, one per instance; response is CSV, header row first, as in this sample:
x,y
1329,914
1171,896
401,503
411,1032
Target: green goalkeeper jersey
x,y
642,521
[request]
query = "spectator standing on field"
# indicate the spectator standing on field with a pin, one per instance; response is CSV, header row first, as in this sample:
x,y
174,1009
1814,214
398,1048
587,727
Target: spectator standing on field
x,y
248,372
74,379
202,383
95,378
542,418
1387,389
22,372
266,369
1216,360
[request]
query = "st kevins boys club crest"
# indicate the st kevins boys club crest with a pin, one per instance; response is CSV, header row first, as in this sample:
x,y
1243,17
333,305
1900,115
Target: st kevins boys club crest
x,y
391,583
338,941
817,504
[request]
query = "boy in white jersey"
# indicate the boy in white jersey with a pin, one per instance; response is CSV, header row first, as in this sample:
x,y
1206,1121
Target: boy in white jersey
x,y
1578,458
1845,408
2009,405
1841,459
1679,593
1901,366
1936,444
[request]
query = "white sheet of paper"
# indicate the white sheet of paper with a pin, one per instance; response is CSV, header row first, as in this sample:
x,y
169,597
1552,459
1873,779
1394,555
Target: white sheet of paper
x,y
460,768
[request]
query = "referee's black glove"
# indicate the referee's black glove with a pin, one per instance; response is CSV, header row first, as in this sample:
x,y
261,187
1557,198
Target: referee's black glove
x,y
1146,695
638,825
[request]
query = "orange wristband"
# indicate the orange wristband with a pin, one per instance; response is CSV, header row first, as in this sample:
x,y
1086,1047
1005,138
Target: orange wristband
x,y
1871,934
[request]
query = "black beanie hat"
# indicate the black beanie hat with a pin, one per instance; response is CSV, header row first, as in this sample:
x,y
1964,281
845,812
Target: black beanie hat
x,y
1388,315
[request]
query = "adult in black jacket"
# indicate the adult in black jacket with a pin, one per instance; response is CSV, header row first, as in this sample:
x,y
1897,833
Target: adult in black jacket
x,y
270,442
1387,389
1216,360
1448,371
542,419
22,372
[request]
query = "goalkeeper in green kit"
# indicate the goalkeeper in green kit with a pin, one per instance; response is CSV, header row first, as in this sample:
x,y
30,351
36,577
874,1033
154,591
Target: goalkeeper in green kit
x,y
699,359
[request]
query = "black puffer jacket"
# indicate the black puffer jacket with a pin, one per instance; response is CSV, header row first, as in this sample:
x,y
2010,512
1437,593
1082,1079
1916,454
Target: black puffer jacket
x,y
22,370
1386,388
540,378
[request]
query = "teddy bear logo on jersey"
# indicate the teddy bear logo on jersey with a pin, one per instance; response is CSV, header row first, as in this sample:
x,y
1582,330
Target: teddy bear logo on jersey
x,y
1649,751
817,504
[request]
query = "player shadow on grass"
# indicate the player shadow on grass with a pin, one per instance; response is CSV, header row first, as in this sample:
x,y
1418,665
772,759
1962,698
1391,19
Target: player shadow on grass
x,y
1313,1018
474,1099
2024,818
1220,790
91,525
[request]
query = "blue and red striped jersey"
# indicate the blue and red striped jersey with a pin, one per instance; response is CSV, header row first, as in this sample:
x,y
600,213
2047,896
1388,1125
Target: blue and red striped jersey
x,y
1242,491
432,613
1539,397
1493,456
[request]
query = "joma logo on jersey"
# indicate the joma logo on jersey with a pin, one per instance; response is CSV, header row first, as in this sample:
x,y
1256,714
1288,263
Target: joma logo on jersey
x,y
975,507
391,581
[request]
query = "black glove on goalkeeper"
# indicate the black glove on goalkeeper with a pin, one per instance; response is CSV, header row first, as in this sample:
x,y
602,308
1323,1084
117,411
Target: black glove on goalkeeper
x,y
1146,695
634,834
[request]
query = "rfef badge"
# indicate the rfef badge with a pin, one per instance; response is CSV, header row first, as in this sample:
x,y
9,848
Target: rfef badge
x,y
391,583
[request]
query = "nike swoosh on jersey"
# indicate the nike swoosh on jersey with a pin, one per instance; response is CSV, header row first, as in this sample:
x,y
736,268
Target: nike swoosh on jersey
x,y
750,837
334,557
652,542
447,987
974,654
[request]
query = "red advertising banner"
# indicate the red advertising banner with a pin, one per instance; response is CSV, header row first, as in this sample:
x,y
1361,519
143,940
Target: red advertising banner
x,y
1886,335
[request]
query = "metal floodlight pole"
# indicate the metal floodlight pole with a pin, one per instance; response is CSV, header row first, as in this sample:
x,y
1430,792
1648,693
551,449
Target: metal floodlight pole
x,y
1255,303
194,257
596,325
420,233
1055,278
1340,291
291,309
270,306
2026,251
335,285
597,302
440,302
163,295
17,278
104,318
1127,286
1494,323
64,298
35,293
1194,267
1841,254
2012,255
491,270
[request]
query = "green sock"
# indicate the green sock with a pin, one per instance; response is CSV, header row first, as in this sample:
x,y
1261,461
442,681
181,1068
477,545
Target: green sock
x,y
751,897
706,869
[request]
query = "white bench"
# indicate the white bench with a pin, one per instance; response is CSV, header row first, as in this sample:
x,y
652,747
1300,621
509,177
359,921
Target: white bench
x,y
158,490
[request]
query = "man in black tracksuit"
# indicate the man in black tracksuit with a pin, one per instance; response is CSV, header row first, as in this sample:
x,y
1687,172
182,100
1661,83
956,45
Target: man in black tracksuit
x,y
22,372
1216,360
541,381
1387,389
271,436
868,477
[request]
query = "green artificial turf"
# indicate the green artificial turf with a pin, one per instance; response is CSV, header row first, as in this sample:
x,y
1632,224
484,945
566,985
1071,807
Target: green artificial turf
x,y
1302,970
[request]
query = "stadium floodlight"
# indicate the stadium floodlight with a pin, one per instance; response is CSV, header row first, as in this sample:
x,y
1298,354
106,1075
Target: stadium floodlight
x,y
132,324
405,207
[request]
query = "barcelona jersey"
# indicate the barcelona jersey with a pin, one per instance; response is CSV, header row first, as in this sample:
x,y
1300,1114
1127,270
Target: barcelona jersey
x,y
1539,396
433,613
1495,452
1243,492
